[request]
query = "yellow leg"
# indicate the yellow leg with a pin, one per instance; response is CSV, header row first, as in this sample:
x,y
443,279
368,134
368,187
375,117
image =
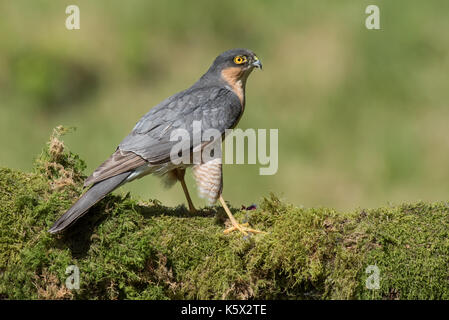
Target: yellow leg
x,y
180,175
243,228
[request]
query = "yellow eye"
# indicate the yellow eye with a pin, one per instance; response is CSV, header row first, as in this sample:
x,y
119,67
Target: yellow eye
x,y
239,59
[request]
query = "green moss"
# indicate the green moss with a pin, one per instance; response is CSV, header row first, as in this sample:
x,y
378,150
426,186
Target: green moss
x,y
130,249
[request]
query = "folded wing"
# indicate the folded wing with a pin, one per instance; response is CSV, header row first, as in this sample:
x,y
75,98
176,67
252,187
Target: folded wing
x,y
119,162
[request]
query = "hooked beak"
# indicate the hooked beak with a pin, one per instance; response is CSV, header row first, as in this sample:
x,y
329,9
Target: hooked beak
x,y
256,63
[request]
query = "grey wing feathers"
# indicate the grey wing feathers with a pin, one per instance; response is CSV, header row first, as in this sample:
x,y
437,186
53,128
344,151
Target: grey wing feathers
x,y
119,162
97,192
215,107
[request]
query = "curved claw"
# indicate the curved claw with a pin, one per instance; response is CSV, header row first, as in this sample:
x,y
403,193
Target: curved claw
x,y
243,228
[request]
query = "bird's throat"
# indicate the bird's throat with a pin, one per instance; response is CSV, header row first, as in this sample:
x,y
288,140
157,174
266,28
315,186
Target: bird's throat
x,y
236,79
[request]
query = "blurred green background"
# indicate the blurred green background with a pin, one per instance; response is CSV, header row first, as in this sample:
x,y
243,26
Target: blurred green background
x,y
362,114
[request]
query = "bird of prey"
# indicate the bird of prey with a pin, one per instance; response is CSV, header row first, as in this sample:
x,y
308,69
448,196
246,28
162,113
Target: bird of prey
x,y
217,99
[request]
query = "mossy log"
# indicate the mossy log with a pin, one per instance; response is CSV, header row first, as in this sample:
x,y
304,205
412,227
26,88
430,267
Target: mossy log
x,y
127,248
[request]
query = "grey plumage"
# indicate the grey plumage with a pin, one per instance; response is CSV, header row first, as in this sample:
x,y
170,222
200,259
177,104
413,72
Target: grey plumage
x,y
211,100
215,107
118,163
87,200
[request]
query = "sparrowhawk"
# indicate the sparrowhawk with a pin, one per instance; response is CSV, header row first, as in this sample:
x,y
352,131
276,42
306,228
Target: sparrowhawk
x,y
217,99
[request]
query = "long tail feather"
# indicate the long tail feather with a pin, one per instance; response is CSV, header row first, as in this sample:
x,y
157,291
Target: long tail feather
x,y
97,192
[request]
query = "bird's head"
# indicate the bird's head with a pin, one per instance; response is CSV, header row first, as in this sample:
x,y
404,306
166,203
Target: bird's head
x,y
235,65
242,59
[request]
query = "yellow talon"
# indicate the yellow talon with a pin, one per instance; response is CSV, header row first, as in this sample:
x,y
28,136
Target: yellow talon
x,y
243,228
